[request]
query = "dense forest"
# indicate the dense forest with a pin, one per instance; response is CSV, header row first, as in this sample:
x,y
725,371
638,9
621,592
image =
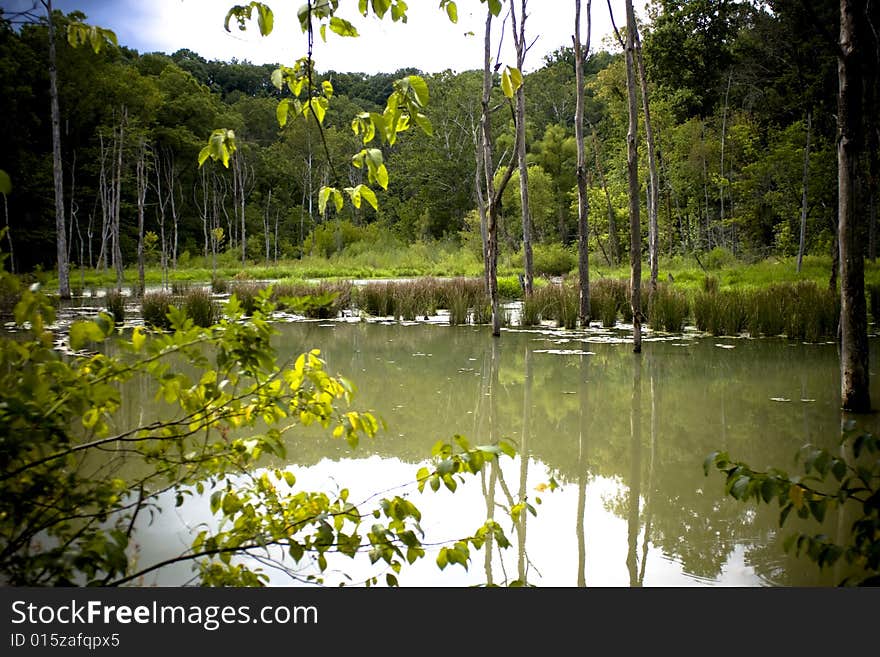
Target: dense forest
x,y
742,101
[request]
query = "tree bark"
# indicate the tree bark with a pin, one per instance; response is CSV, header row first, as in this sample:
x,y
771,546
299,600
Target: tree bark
x,y
141,181
584,310
804,189
653,178
57,170
493,193
854,380
519,35
632,168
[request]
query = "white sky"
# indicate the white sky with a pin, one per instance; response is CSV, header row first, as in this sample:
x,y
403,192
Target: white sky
x,y
429,41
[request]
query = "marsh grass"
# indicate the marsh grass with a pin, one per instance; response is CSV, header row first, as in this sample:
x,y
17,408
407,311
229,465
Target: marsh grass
x,y
155,307
246,293
324,300
668,309
114,301
605,300
200,307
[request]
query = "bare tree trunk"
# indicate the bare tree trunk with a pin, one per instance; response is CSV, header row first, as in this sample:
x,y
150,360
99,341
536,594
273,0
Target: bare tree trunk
x,y
805,186
854,373
481,204
117,202
104,200
9,235
583,201
722,182
519,38
632,168
267,225
161,205
57,171
141,182
493,194
653,179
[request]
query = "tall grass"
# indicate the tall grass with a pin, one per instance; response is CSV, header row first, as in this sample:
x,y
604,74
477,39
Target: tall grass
x,y
324,300
200,307
668,309
155,307
115,303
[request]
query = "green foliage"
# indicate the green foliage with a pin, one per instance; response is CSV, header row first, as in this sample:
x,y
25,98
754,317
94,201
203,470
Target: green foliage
x,y
844,479
229,404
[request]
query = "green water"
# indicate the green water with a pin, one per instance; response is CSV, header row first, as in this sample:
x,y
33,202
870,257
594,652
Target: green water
x,y
624,436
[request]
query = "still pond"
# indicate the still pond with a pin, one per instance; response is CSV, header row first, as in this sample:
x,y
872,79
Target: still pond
x,y
610,451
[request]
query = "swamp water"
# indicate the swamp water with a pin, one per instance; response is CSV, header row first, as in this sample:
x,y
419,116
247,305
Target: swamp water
x,y
623,437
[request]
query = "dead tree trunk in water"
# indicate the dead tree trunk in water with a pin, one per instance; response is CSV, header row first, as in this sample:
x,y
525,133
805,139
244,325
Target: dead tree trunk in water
x,y
493,193
632,168
855,395
57,172
584,310
519,37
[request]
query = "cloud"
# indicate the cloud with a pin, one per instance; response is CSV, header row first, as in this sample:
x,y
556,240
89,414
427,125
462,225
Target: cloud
x,y
429,41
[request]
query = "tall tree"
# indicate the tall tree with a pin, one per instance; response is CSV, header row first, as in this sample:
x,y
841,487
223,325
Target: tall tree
x,y
653,178
492,198
583,202
855,395
57,167
518,27
632,170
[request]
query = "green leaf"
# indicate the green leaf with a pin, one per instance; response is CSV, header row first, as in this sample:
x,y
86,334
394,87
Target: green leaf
x,y
511,80
5,183
494,7
323,197
281,112
265,18
452,12
83,332
342,27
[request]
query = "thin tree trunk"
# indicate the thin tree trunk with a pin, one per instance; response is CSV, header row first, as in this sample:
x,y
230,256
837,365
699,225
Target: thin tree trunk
x,y
9,235
267,225
804,186
583,201
57,171
493,194
854,373
721,183
653,179
117,202
632,168
141,181
519,36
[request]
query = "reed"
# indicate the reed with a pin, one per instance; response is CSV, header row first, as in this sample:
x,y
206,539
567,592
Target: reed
x,y
154,309
668,309
115,304
246,293
605,301
200,307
